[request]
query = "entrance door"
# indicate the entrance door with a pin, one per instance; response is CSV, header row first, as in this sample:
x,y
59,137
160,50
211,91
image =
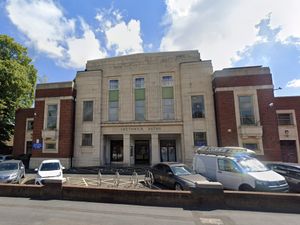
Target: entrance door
x,y
289,151
168,150
141,152
116,151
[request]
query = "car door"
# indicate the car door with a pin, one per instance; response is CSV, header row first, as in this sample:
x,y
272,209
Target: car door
x,y
157,173
168,177
228,174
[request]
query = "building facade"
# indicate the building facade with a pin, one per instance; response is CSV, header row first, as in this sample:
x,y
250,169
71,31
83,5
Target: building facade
x,y
147,108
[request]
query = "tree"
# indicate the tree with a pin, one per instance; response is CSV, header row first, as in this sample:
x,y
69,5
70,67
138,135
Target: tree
x,y
17,83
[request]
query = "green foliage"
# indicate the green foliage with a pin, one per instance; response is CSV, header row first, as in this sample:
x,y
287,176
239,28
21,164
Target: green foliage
x,y
17,83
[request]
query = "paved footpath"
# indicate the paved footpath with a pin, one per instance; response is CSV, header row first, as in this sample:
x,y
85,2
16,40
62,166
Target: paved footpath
x,y
15,211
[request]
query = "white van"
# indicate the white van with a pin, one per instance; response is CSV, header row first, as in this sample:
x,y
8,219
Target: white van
x,y
237,170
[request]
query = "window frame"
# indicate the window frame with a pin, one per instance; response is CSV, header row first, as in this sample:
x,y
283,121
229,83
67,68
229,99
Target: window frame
x,y
291,119
250,118
84,117
194,138
27,121
57,116
87,143
111,86
167,83
202,108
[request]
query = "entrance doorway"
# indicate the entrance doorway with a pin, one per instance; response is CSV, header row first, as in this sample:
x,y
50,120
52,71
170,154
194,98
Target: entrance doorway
x,y
116,151
141,152
168,150
289,151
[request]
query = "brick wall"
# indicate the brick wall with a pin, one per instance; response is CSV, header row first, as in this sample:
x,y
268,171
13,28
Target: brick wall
x,y
54,92
20,129
246,80
225,118
38,125
268,120
288,103
66,128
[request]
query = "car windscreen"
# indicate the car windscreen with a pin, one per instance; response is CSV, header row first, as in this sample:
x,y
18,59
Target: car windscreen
x,y
251,165
181,170
8,166
50,166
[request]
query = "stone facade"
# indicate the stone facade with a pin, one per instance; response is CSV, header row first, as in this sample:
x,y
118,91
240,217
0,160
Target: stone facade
x,y
146,108
190,77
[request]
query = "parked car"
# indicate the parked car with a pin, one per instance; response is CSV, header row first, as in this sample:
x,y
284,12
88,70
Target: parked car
x,y
5,157
11,171
237,171
176,176
290,171
49,170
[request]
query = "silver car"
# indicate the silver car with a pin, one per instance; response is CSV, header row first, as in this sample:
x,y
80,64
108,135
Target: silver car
x,y
11,171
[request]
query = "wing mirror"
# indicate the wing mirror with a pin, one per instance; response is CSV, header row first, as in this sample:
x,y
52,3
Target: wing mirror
x,y
63,168
36,169
170,173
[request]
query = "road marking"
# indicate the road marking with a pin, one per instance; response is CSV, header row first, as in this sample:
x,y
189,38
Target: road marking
x,y
213,221
84,182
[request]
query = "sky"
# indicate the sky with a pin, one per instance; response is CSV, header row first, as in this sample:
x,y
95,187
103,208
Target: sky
x,y
61,35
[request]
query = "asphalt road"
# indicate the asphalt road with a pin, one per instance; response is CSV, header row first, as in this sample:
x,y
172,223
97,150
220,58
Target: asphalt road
x,y
15,211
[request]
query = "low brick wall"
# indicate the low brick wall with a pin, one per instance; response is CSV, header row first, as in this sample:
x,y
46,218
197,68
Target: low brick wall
x,y
137,197
262,201
213,198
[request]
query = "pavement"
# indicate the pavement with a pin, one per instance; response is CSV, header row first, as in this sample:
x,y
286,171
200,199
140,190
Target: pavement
x,y
106,170
18,211
106,181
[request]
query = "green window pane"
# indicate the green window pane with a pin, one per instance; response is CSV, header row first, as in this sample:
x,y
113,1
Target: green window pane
x,y
139,94
167,92
113,95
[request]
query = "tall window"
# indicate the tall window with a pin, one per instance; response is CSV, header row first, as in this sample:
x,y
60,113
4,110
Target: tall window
x,y
285,118
113,100
168,98
52,117
246,110
198,106
88,111
167,81
200,139
29,125
139,94
139,82
87,140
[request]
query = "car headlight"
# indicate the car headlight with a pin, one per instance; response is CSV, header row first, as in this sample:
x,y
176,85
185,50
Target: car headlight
x,y
13,176
190,183
261,183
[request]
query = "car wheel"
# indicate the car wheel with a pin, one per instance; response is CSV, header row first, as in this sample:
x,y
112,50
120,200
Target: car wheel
x,y
178,187
246,187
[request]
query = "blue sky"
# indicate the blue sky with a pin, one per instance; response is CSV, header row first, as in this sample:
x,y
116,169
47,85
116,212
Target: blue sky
x,y
61,35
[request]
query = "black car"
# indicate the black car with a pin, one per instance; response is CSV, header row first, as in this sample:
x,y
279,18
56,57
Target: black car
x,y
176,176
290,171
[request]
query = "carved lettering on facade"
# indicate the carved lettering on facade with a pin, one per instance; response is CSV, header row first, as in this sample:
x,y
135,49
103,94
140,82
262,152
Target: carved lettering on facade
x,y
150,129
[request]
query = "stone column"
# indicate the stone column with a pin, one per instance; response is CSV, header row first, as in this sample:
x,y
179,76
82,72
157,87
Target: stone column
x,y
155,152
126,149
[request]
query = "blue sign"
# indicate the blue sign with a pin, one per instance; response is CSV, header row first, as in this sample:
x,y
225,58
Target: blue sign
x,y
37,145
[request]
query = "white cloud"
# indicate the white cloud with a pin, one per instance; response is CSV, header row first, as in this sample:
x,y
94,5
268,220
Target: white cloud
x,y
82,49
294,83
50,32
121,37
220,29
125,39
